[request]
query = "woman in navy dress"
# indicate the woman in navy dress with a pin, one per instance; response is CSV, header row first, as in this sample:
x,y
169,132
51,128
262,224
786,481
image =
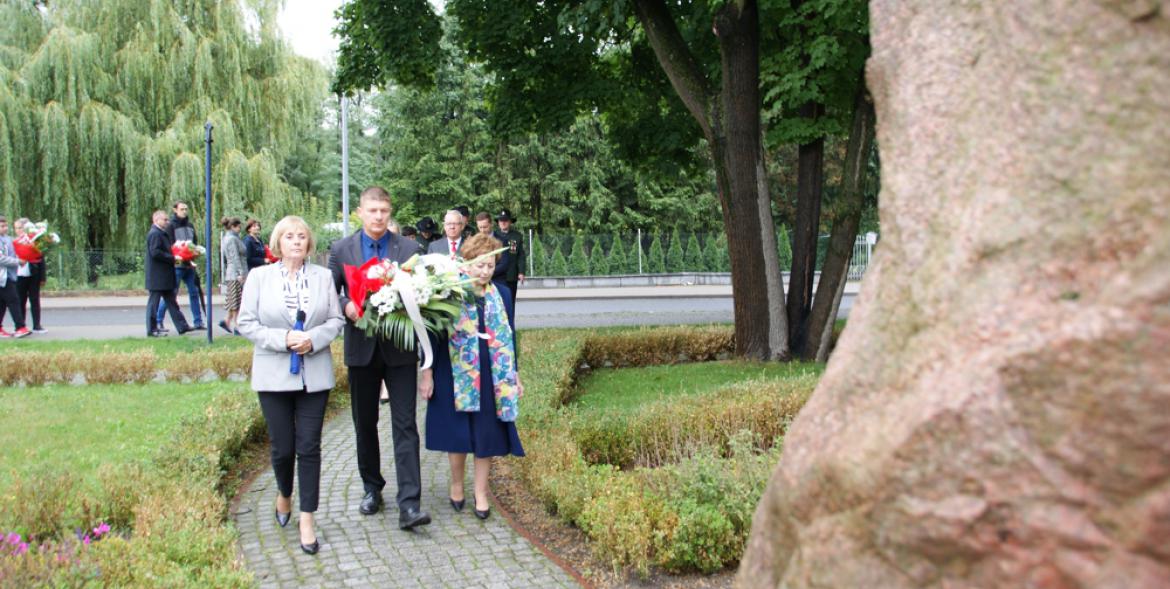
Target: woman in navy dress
x,y
471,408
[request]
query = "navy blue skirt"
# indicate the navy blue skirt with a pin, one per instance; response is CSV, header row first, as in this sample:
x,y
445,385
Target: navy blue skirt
x,y
465,432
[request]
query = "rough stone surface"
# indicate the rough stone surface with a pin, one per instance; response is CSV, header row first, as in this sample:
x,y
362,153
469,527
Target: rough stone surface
x,y
455,550
997,414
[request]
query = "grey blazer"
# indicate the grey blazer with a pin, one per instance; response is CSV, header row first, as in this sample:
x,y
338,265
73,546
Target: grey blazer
x,y
235,263
443,246
265,321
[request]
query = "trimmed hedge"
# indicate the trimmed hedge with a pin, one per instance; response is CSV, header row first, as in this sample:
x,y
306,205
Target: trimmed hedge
x,y
168,520
713,453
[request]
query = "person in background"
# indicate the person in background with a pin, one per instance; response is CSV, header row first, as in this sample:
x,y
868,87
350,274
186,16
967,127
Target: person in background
x,y
160,277
483,223
466,212
427,230
234,253
30,279
290,313
472,390
254,245
180,229
409,231
9,265
453,232
513,260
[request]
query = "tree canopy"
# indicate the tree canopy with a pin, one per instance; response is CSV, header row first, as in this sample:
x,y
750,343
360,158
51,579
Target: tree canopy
x,y
102,108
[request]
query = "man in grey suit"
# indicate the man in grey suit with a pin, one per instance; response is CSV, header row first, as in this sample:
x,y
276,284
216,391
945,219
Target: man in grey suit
x,y
452,240
374,361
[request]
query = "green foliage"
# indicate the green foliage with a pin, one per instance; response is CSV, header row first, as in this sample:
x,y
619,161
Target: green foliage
x,y
784,249
539,256
557,266
675,261
103,107
718,258
693,259
598,261
619,261
578,263
656,260
383,42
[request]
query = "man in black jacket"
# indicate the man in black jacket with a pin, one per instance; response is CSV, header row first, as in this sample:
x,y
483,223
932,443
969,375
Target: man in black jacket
x,y
510,269
160,277
180,229
374,361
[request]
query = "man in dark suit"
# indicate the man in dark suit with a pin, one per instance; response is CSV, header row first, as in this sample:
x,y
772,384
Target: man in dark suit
x,y
160,277
448,245
374,361
510,268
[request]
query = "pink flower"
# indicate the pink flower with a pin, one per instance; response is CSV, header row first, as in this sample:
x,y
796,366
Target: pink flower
x,y
22,548
12,538
101,530
86,540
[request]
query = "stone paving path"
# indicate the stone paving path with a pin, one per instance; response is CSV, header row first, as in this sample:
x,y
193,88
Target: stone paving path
x,y
455,550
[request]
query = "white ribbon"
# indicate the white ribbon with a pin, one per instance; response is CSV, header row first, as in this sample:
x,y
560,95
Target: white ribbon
x,y
412,311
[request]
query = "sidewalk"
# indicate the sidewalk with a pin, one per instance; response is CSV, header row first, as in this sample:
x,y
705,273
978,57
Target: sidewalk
x,y
115,301
455,550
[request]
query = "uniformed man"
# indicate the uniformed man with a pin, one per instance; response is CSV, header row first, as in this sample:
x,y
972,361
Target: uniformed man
x,y
427,232
512,271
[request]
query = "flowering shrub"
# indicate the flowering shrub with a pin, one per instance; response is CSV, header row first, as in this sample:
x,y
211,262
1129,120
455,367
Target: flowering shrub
x,y
63,563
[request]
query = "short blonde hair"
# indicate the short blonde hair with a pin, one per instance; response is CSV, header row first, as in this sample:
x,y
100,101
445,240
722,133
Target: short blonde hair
x,y
478,245
284,226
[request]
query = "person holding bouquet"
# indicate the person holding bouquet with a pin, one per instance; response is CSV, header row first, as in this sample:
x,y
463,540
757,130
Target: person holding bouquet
x,y
31,275
180,229
472,391
160,277
290,312
235,269
374,361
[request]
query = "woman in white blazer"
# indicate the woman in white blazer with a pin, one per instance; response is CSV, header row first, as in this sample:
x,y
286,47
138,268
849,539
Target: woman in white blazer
x,y
290,313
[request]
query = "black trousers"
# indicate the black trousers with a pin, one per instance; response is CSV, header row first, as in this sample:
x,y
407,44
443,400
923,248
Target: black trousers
x,y
28,289
294,429
10,301
512,285
177,317
365,387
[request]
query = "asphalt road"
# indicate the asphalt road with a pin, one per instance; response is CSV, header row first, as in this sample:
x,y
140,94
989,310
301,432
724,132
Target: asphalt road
x,y
116,322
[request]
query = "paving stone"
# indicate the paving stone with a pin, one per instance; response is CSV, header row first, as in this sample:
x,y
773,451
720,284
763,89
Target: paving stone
x,y
456,550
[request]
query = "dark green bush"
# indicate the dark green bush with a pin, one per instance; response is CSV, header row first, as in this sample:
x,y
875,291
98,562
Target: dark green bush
x,y
718,258
557,266
598,261
619,261
539,256
675,259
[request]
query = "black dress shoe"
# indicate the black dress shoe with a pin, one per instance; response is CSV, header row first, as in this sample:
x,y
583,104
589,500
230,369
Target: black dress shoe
x,y
411,517
371,503
282,518
311,548
483,514
157,334
198,328
457,505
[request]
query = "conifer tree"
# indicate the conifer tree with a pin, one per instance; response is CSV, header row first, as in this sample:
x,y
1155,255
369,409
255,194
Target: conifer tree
x,y
539,257
619,262
578,262
657,259
557,266
718,258
598,261
694,256
675,261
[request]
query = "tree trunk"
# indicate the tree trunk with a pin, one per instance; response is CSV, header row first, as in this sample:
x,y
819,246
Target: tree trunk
x,y
995,414
810,180
835,270
777,319
730,121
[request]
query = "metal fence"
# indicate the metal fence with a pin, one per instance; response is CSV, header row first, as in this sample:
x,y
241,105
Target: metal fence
x,y
548,255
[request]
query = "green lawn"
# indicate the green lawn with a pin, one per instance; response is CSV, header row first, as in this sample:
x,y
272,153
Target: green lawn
x,y
624,389
76,429
165,346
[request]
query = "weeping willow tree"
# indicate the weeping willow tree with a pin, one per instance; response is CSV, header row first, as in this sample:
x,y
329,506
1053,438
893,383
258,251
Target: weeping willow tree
x,y
102,108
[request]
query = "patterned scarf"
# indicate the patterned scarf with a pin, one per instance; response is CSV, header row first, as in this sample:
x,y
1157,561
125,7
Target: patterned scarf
x,y
464,349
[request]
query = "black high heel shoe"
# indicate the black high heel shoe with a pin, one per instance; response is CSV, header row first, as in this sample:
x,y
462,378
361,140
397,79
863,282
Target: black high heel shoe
x,y
282,518
484,513
309,548
457,505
